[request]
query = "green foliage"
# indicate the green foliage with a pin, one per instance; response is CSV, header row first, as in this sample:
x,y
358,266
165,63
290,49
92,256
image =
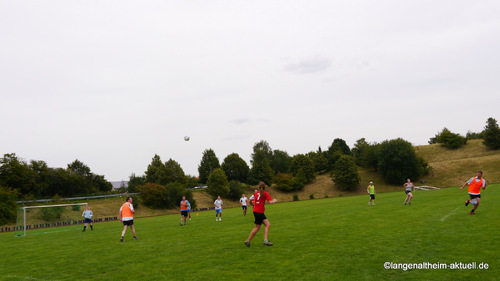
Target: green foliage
x,y
339,145
319,160
235,190
235,168
155,171
261,169
75,207
300,179
398,161
154,195
136,201
280,161
284,182
304,163
491,134
311,196
52,213
192,181
175,192
345,174
174,172
8,206
473,135
134,181
449,139
209,162
295,197
218,184
263,146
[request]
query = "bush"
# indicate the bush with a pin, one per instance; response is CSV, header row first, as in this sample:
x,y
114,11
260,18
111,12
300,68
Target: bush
x,y
304,163
8,206
398,161
75,207
136,201
284,182
295,197
451,140
217,184
345,174
326,195
153,195
175,192
51,213
311,196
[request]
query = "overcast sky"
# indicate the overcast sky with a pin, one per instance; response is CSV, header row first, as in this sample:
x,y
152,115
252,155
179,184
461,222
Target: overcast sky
x,y
112,83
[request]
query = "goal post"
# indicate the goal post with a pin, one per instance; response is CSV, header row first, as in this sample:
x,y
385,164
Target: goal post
x,y
48,216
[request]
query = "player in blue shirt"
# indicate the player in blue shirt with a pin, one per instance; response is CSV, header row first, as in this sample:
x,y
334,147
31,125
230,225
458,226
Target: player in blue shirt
x,y
88,218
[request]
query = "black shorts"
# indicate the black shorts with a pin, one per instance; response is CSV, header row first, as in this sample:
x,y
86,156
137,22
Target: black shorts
x,y
473,196
244,207
130,222
184,213
407,191
259,218
86,220
372,196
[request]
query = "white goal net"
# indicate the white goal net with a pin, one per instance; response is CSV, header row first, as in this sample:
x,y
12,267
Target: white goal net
x,y
39,219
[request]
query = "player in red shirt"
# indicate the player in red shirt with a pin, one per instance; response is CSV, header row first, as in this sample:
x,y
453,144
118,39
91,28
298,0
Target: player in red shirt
x,y
258,200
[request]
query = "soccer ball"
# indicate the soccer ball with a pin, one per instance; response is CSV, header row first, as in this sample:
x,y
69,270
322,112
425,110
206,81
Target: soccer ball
x,y
186,138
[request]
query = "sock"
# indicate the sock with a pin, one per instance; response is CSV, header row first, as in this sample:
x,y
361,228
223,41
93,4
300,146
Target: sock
x,y
91,227
84,228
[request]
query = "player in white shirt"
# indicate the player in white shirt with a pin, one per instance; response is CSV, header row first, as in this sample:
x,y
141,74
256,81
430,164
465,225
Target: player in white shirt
x,y
218,208
244,204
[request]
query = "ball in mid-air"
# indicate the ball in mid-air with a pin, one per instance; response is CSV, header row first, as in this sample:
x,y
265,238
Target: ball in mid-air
x,y
186,138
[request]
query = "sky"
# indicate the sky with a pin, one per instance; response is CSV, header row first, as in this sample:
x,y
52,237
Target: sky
x,y
112,83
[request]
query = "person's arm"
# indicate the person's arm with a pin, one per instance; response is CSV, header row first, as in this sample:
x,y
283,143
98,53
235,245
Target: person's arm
x,y
120,214
368,190
466,183
484,184
251,200
270,200
91,213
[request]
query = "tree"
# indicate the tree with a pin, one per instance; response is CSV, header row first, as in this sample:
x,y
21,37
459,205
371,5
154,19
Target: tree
x,y
300,161
235,168
8,206
280,161
398,161
265,148
359,151
209,162
345,174
15,173
319,160
134,181
451,140
235,190
155,172
340,144
79,168
261,169
491,134
218,184
174,172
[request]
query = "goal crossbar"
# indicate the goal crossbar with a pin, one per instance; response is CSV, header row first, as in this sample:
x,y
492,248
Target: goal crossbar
x,y
46,206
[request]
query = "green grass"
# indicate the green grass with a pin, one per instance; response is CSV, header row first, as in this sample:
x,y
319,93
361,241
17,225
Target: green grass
x,y
328,239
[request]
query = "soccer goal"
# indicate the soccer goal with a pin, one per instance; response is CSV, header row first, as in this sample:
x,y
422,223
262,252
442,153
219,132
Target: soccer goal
x,y
426,187
39,219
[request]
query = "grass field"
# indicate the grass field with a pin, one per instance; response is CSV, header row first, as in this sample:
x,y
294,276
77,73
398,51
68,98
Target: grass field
x,y
329,239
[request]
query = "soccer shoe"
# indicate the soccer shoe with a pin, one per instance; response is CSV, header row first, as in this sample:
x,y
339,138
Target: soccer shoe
x,y
369,204
467,202
267,243
121,239
404,203
220,219
472,212
216,219
135,237
373,204
181,223
409,203
247,243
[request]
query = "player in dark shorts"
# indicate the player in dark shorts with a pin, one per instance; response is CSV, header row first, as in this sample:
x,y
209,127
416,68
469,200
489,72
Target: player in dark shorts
x,y
258,212
408,188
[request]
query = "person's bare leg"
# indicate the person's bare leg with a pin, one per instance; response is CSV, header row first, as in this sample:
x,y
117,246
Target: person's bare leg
x,y
133,230
253,232
267,224
124,230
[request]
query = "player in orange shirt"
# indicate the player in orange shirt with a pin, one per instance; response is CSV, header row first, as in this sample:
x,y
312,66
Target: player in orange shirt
x,y
127,217
475,184
184,210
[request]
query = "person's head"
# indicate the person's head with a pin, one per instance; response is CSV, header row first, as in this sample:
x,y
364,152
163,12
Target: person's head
x,y
242,195
371,183
479,174
408,180
129,199
255,191
218,197
88,207
262,186
183,198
